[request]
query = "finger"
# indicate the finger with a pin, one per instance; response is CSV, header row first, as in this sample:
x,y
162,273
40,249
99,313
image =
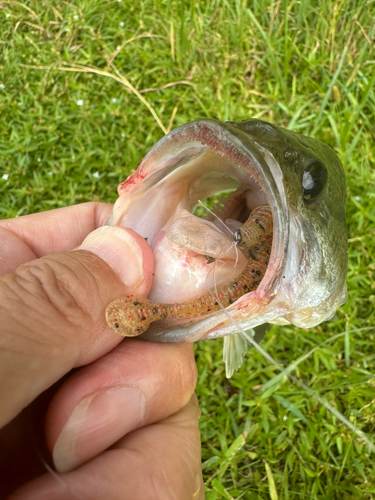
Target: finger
x,y
158,462
52,311
136,384
33,236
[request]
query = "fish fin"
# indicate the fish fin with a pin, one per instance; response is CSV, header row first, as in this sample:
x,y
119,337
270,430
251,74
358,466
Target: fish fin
x,y
235,347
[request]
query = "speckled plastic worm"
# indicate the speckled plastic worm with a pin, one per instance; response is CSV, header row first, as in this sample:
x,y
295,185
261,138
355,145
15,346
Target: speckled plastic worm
x,y
132,315
257,227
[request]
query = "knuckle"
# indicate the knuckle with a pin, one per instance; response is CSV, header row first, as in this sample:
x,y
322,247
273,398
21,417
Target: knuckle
x,y
54,293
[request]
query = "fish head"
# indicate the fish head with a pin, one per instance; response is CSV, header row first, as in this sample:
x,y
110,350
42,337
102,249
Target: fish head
x,y
311,182
300,178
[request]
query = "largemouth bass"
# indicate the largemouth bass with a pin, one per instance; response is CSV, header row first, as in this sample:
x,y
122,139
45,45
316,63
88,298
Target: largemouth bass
x,y
299,179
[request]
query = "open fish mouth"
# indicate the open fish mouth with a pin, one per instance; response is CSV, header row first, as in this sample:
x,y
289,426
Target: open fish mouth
x,y
204,158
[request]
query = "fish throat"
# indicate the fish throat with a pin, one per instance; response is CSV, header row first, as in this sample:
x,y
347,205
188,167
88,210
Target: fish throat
x,y
132,315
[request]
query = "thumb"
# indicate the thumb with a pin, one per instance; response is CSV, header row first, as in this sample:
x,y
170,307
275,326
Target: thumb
x,y
52,311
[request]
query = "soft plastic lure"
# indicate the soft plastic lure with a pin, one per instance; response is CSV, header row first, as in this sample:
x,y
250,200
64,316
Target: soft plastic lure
x,y
132,315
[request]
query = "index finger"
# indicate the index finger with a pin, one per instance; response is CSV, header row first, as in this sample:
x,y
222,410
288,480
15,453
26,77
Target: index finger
x,y
33,236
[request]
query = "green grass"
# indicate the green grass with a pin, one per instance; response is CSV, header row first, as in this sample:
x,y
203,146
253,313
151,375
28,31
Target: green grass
x,y
71,136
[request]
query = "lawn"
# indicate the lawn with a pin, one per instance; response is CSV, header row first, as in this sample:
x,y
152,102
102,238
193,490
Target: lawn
x,y
87,88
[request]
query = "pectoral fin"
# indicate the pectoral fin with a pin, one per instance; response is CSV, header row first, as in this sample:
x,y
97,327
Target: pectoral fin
x,y
236,345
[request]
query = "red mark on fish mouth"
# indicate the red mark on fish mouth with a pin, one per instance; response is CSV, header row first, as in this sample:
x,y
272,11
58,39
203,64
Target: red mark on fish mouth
x,y
133,179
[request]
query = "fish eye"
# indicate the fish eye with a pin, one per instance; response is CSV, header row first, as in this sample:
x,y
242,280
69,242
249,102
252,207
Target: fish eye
x,y
314,180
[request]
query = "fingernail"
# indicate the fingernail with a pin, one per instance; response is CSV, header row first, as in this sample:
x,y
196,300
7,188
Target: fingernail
x,y
120,250
96,423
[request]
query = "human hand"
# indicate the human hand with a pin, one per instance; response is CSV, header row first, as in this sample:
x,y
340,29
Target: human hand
x,y
52,321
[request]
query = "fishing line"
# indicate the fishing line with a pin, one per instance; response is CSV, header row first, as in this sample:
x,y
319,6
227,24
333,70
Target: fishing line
x,y
216,216
221,253
360,434
312,393
62,482
306,388
54,474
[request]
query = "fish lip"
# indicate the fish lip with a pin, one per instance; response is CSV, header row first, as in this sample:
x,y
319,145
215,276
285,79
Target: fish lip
x,y
235,144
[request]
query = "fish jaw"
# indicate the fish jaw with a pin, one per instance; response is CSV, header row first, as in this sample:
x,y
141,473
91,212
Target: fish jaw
x,y
202,158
